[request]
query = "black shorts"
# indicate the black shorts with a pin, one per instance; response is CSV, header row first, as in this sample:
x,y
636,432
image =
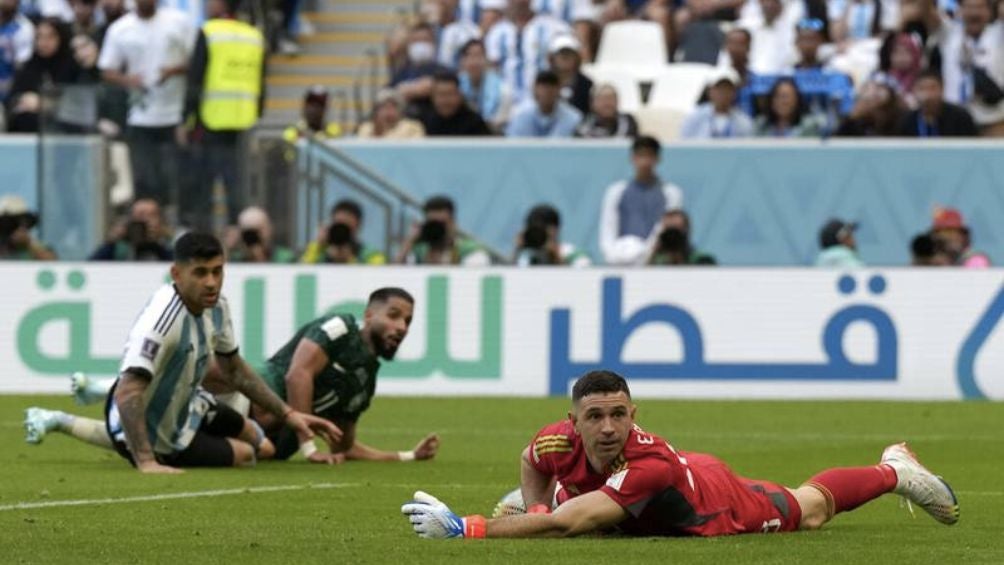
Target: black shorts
x,y
209,446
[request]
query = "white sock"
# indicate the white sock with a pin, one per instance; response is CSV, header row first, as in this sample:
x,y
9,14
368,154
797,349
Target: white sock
x,y
85,429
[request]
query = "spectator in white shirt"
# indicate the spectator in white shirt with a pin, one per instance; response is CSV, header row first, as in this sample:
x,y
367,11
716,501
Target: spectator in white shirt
x,y
519,46
973,65
633,209
719,117
773,48
147,53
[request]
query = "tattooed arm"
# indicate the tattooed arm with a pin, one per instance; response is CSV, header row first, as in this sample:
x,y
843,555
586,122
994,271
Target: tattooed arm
x,y
129,399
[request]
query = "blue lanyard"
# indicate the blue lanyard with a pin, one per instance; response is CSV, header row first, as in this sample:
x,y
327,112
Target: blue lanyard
x,y
924,130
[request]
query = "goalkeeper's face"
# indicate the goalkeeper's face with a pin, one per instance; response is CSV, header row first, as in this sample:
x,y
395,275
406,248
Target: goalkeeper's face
x,y
604,421
387,324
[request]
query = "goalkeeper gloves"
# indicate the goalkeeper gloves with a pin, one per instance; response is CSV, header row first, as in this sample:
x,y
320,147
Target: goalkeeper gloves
x,y
432,519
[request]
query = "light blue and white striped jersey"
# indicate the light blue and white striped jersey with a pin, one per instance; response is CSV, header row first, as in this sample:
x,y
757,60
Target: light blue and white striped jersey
x,y
452,39
520,55
175,347
567,10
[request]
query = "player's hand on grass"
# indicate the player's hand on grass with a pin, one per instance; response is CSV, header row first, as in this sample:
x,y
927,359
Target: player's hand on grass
x,y
432,519
153,468
427,448
327,458
305,425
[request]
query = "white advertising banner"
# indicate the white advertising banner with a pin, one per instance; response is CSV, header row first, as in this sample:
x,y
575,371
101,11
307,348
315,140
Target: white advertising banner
x,y
674,333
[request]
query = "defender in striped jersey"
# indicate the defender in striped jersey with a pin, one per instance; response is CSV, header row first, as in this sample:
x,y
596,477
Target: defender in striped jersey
x,y
158,414
604,473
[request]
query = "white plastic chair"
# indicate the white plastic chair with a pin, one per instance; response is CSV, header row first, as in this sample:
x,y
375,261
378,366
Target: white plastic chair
x,y
634,45
624,82
121,191
662,123
679,86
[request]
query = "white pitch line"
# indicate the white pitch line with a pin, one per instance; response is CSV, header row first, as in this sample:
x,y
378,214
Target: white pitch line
x,y
229,492
172,496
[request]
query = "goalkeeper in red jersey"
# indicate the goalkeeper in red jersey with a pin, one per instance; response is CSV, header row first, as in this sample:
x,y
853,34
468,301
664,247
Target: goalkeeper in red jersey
x,y
601,472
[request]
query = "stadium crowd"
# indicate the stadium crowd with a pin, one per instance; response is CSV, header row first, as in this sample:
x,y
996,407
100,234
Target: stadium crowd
x,y
519,68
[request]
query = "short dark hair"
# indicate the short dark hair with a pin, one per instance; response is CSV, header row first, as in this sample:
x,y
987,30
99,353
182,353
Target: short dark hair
x,y
197,245
772,117
599,382
469,44
932,74
681,213
447,76
348,206
745,32
544,214
547,78
439,203
422,26
646,142
382,295
923,246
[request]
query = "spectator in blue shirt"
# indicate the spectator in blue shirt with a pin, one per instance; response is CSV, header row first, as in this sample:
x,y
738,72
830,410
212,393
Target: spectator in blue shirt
x,y
838,248
547,115
719,118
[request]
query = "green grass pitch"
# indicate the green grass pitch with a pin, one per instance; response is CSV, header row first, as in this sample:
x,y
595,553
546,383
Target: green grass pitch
x,y
358,521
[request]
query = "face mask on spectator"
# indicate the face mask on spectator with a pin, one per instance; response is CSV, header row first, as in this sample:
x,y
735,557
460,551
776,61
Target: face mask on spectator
x,y
421,52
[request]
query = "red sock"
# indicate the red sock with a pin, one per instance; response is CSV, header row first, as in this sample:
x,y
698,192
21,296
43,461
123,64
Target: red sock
x,y
847,488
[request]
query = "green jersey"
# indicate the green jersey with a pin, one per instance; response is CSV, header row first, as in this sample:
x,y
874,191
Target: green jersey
x,y
344,389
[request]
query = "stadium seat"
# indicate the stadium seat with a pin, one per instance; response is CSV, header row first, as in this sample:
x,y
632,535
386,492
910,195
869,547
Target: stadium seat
x,y
662,123
678,86
637,46
623,81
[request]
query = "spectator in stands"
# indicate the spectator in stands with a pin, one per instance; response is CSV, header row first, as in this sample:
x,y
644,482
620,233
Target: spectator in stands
x,y
146,52
540,241
16,223
290,30
773,40
221,107
632,209
605,120
112,10
853,20
85,23
141,237
838,248
786,114
566,62
934,117
902,59
926,252
718,118
547,115
735,53
453,34
436,241
950,231
314,122
388,121
17,35
877,112
518,46
924,18
697,32
808,39
449,114
414,81
973,65
483,87
256,244
53,65
672,245
338,240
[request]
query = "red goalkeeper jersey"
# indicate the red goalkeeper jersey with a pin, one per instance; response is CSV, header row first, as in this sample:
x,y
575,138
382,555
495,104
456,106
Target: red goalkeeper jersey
x,y
666,492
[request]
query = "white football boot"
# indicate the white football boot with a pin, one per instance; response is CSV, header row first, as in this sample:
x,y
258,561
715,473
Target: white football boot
x,y
38,422
920,486
81,389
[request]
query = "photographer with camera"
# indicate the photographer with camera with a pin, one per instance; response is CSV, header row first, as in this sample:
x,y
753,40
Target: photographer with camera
x,y
16,242
672,246
540,243
142,237
338,240
436,241
255,244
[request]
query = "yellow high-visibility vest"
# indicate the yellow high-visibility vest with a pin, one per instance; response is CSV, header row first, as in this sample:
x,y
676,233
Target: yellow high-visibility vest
x,y
233,75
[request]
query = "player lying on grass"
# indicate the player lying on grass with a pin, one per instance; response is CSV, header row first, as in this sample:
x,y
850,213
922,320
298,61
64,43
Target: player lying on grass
x,y
329,368
607,474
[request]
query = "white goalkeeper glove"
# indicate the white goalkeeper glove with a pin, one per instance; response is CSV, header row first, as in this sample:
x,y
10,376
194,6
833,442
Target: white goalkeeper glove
x,y
431,519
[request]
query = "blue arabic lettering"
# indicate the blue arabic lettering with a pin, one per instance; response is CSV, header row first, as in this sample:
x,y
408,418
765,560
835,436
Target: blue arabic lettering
x,y
616,331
